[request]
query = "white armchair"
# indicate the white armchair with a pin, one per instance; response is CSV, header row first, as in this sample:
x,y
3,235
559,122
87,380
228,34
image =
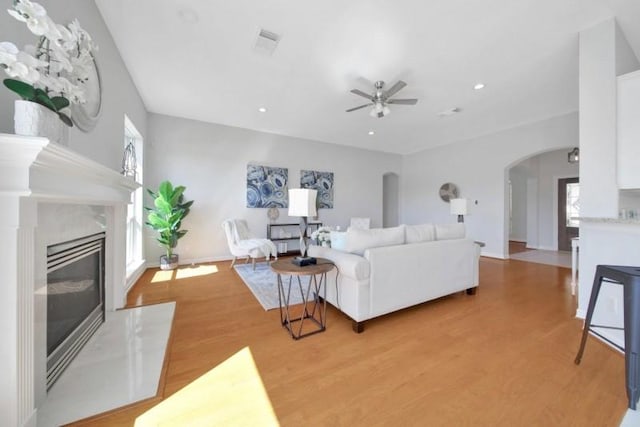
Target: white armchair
x,y
241,244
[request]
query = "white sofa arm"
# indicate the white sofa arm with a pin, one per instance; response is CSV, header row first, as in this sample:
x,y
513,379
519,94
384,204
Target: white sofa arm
x,y
350,265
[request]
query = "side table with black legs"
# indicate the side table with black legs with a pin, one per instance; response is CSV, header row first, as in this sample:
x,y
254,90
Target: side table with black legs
x,y
313,293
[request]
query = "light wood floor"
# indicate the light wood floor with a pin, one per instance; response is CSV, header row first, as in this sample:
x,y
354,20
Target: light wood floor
x,y
503,357
517,247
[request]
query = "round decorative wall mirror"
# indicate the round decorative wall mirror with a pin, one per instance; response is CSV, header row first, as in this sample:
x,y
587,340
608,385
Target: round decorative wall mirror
x,y
449,191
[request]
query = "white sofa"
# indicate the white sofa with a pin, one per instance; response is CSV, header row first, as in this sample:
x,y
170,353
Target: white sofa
x,y
384,270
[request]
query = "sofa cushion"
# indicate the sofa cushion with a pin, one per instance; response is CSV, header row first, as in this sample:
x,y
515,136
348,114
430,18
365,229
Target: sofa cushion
x,y
450,231
360,240
419,233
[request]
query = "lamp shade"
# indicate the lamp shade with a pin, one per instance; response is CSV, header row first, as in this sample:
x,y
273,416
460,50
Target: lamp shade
x,y
302,202
458,206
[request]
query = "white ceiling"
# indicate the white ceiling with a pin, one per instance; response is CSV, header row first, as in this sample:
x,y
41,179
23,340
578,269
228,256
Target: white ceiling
x,y
525,51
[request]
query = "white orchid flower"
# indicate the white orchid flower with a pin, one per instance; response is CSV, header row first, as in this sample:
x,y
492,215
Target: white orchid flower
x,y
52,32
60,62
33,14
30,60
8,52
22,72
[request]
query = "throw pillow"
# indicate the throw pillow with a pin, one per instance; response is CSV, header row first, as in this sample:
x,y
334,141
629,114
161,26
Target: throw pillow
x,y
450,231
419,233
360,240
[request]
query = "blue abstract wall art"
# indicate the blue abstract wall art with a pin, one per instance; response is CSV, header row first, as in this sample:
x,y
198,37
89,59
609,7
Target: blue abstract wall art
x,y
321,181
267,187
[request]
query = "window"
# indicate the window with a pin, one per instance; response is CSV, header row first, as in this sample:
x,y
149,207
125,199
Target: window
x,y
573,204
134,209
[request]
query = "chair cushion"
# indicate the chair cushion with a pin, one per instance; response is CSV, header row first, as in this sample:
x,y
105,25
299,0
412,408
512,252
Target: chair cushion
x,y
419,233
450,231
360,240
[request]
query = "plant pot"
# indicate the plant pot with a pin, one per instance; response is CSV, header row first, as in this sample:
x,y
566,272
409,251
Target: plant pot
x,y
169,263
31,119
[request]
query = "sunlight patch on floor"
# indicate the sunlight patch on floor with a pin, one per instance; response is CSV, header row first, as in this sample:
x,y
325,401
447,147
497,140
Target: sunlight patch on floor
x,y
184,273
231,394
162,276
201,270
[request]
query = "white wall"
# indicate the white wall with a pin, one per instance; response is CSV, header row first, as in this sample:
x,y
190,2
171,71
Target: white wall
x,y
105,143
604,54
480,168
211,161
518,177
390,200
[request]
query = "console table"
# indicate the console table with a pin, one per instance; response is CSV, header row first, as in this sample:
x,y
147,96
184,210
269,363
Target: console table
x,y
314,306
291,228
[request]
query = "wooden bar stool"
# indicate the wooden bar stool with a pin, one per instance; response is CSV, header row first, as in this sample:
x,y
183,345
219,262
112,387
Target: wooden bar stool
x,y
629,278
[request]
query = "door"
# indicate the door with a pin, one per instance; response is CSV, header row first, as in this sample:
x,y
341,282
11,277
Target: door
x,y
568,211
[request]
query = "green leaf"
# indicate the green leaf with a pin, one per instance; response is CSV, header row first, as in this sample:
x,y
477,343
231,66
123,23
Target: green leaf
x,y
163,206
25,90
43,99
176,197
165,190
65,119
60,102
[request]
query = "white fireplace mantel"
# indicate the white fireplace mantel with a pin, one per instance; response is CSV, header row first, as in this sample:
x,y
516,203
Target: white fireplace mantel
x,y
34,171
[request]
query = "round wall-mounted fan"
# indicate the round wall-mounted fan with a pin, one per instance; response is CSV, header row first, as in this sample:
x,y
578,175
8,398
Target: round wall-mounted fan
x,y
380,98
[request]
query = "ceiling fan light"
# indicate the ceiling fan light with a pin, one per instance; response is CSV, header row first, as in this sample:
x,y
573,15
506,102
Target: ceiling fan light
x,y
386,111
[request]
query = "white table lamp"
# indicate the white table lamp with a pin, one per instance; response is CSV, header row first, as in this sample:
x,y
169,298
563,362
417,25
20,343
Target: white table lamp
x,y
458,207
302,203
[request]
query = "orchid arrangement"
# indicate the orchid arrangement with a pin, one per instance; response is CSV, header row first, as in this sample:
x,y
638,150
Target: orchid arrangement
x,y
52,73
322,234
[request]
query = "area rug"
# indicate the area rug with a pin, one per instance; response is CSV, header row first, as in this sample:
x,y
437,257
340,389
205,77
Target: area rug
x,y
263,283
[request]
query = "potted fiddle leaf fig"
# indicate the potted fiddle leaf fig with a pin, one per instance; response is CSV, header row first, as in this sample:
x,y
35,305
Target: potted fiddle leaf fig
x,y
166,217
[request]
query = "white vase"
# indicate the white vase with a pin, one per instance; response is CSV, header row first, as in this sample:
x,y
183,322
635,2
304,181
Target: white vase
x,y
31,119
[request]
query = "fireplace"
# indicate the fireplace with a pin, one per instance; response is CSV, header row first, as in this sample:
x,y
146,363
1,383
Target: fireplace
x,y
75,299
39,179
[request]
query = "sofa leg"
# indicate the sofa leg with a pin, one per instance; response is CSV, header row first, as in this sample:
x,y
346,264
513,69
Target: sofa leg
x,y
358,327
472,291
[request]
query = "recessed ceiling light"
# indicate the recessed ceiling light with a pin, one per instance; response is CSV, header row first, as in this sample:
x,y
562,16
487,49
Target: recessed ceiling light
x,y
371,132
262,110
479,86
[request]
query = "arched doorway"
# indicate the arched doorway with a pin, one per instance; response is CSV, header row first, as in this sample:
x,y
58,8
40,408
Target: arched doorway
x,y
534,202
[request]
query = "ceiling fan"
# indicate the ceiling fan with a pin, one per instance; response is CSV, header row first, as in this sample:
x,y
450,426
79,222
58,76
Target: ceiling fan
x,y
380,98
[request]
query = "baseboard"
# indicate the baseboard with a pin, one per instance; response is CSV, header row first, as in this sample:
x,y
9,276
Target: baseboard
x,y
133,276
492,255
542,248
518,240
189,261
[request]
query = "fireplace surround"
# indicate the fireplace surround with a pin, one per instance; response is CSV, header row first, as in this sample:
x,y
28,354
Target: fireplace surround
x,y
36,177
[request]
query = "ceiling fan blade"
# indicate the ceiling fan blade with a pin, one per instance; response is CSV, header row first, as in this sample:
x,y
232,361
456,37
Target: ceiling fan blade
x,y
361,93
359,107
395,88
402,101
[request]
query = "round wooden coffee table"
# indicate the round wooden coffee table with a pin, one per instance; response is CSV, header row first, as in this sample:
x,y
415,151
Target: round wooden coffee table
x,y
313,307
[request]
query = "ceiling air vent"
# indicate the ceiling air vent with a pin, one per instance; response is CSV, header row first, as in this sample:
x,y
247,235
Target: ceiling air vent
x,y
266,42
